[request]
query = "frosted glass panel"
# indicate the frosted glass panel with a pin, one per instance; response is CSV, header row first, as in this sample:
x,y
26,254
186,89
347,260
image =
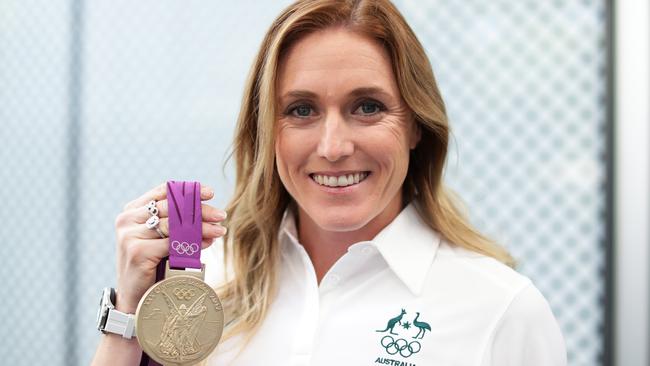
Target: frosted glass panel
x,y
99,107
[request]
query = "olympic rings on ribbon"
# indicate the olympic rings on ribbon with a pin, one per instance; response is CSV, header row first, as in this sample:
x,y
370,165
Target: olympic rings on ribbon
x,y
400,345
184,247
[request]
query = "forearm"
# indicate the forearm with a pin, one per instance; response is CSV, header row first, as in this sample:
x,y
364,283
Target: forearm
x,y
115,350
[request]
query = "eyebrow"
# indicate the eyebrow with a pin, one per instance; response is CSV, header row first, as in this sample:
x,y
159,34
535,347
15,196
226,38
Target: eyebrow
x,y
372,90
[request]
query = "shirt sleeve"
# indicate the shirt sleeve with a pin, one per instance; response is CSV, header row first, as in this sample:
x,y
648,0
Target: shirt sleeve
x,y
527,334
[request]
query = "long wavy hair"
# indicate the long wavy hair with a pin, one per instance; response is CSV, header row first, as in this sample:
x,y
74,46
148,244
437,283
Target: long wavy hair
x,y
255,212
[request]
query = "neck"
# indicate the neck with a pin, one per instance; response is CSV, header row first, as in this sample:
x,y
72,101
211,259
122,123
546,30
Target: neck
x,y
326,247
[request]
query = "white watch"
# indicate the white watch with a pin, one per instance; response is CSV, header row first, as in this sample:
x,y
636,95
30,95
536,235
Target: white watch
x,y
111,320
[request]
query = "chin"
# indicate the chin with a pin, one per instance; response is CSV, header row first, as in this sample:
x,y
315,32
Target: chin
x,y
341,222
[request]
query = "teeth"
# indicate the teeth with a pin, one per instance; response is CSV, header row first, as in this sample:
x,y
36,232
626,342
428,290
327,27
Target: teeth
x,y
340,181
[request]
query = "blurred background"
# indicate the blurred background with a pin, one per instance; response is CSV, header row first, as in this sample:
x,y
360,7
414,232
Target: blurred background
x,y
102,100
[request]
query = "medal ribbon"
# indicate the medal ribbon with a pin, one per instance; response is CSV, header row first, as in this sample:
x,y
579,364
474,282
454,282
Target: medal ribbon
x,y
185,233
185,224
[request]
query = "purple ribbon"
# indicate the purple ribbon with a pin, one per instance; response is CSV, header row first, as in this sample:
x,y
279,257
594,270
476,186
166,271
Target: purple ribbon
x,y
185,233
185,224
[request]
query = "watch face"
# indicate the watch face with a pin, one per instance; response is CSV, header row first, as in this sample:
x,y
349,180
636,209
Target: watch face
x,y
102,312
99,317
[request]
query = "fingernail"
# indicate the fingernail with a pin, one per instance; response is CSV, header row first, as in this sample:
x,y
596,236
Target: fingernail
x,y
223,230
207,190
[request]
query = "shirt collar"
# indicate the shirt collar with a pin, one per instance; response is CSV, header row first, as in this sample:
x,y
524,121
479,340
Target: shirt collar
x,y
288,226
407,244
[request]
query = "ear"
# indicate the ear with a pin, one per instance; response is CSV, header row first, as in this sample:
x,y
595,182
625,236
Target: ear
x,y
416,134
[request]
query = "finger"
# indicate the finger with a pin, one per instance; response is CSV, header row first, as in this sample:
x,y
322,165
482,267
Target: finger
x,y
206,243
157,248
208,230
213,230
208,213
160,192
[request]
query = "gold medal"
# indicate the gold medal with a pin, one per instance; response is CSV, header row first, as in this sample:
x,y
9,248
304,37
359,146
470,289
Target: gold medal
x,y
179,320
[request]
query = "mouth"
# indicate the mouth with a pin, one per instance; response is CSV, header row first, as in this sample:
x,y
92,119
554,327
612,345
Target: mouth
x,y
339,180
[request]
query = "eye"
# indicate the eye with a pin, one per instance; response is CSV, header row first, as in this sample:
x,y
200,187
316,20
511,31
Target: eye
x,y
301,111
370,107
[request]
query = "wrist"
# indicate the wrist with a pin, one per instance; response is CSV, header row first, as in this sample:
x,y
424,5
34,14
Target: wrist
x,y
118,339
125,307
124,304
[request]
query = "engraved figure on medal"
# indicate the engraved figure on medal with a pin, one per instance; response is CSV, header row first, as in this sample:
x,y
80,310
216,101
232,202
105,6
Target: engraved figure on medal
x,y
181,320
178,337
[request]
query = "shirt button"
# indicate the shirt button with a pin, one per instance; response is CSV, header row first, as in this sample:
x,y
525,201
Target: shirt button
x,y
334,280
366,250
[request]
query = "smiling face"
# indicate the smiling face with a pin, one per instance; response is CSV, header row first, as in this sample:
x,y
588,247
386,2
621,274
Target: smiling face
x,y
343,132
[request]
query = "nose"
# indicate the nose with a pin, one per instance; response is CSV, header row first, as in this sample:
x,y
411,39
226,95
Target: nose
x,y
335,142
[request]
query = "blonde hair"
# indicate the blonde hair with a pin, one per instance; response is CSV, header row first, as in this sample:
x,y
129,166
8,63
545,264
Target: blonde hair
x,y
256,210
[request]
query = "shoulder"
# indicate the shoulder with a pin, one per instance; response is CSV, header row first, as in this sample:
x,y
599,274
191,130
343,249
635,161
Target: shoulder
x,y
527,334
485,277
467,266
522,328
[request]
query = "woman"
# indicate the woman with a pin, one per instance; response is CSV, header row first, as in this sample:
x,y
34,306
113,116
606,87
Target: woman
x,y
343,244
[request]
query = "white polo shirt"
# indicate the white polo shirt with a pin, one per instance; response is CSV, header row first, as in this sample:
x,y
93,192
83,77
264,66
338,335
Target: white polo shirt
x,y
405,298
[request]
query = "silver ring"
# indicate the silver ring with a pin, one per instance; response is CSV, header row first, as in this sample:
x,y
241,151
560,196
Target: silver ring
x,y
162,235
151,207
153,222
152,210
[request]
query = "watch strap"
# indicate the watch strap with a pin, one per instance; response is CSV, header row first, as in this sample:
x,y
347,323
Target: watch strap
x,y
120,323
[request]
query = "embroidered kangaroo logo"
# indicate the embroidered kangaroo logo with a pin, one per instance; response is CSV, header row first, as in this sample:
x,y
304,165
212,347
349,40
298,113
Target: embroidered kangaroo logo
x,y
422,325
392,322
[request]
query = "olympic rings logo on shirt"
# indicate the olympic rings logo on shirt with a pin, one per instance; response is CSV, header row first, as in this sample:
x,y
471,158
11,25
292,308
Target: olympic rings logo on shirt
x,y
400,345
185,248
